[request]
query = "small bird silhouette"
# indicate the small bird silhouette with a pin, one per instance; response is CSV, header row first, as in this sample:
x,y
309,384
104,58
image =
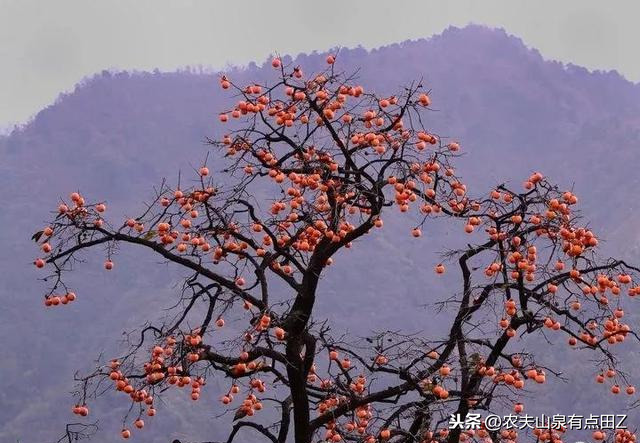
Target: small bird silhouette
x,y
240,413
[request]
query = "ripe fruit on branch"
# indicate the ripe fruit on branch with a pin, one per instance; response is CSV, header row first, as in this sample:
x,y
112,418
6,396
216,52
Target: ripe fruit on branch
x,y
424,100
279,333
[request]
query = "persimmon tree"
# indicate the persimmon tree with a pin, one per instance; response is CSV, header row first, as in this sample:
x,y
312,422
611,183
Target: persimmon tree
x,y
313,165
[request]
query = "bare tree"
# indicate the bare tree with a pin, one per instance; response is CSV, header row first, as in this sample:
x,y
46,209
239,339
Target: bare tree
x,y
313,165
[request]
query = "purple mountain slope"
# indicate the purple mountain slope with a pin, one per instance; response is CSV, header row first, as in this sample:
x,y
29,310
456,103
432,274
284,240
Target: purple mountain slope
x,y
118,134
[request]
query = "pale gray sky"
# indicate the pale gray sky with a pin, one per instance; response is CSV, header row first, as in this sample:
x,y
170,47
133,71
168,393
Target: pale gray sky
x,y
47,46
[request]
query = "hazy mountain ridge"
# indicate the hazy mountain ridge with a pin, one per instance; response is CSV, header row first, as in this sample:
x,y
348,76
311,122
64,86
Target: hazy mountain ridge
x,y
118,134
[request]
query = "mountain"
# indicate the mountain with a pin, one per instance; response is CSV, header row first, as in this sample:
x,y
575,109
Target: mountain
x,y
118,134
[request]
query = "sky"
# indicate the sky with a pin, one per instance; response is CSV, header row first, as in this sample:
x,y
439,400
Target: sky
x,y
46,47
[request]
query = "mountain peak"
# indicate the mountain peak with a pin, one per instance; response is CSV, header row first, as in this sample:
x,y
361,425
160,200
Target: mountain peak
x,y
473,46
